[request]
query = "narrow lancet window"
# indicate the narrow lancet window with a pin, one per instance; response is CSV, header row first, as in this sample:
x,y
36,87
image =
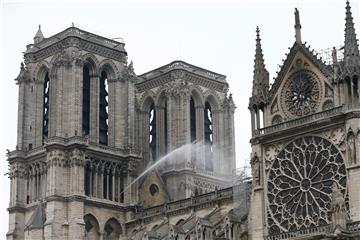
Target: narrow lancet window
x,y
46,106
86,102
103,121
152,133
208,134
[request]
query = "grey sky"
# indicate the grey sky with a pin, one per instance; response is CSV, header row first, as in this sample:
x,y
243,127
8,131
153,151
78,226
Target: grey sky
x,y
216,35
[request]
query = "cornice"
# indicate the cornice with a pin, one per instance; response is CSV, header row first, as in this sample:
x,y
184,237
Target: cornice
x,y
40,53
162,79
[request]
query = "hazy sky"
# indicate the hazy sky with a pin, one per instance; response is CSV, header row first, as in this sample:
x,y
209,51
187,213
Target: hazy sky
x,y
216,35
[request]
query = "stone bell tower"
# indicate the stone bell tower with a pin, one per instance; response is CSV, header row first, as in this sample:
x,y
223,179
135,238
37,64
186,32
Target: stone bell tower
x,y
75,148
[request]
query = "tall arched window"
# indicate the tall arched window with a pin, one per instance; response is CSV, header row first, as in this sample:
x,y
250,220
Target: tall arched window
x,y
103,116
152,132
46,106
86,101
208,135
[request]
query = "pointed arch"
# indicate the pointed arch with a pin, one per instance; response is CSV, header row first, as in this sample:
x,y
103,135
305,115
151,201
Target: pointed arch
x,y
92,228
110,68
112,229
213,100
39,70
146,101
92,62
197,96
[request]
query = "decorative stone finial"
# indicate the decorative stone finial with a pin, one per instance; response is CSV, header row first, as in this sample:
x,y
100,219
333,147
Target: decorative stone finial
x,y
38,36
297,27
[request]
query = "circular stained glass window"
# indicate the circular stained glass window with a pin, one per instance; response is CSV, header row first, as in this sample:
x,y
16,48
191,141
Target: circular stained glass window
x,y
300,184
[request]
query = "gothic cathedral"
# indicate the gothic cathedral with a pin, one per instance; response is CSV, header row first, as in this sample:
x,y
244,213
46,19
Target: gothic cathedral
x,y
103,153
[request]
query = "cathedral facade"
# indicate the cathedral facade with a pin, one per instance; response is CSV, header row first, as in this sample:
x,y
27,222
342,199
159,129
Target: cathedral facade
x,y
104,153
305,143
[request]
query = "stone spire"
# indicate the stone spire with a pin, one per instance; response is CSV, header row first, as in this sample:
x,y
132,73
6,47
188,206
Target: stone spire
x,y
297,27
261,75
38,36
351,47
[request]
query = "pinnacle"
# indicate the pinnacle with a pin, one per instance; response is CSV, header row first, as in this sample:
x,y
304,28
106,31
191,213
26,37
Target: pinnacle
x,y
261,75
38,36
351,47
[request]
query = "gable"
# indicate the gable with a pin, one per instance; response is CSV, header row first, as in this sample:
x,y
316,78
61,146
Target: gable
x,y
303,87
153,191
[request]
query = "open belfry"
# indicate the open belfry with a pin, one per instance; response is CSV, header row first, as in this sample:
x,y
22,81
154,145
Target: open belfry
x,y
103,153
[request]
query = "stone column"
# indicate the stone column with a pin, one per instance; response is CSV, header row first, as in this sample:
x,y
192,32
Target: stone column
x,y
113,186
217,165
52,100
96,184
200,141
257,114
160,131
91,180
118,186
21,116
107,183
252,112
112,112
94,107
101,185
37,128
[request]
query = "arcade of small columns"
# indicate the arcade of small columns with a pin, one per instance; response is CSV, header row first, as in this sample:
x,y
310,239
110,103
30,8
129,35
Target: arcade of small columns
x,y
101,179
104,179
35,177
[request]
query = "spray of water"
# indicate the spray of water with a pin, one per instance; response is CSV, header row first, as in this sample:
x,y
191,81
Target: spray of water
x,y
171,155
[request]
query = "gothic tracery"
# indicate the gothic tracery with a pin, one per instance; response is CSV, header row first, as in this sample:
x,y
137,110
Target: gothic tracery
x,y
300,184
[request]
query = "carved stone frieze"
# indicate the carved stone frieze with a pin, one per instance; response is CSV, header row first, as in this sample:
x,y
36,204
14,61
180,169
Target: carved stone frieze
x,y
181,75
337,136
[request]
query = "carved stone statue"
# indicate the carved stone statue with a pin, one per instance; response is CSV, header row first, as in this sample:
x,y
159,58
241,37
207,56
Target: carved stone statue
x,y
338,207
255,167
351,146
334,55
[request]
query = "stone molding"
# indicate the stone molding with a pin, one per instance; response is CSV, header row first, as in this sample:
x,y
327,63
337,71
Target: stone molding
x,y
42,53
184,75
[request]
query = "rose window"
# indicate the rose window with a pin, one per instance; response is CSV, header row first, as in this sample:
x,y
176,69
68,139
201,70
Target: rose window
x,y
301,93
300,184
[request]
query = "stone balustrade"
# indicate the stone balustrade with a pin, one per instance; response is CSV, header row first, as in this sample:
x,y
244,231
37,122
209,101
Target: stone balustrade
x,y
300,121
